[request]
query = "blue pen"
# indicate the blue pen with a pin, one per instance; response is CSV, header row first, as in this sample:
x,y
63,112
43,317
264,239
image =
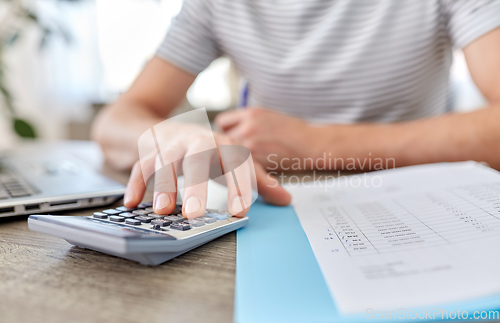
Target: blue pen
x,y
244,97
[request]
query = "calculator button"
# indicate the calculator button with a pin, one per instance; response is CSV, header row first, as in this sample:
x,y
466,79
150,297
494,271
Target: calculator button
x,y
116,218
149,210
112,211
140,212
218,216
125,209
158,216
156,227
161,222
175,218
144,218
133,222
206,219
128,215
181,226
195,223
100,215
19,193
145,205
229,215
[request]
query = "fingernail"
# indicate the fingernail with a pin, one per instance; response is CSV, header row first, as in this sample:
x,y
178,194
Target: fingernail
x,y
162,200
129,196
236,204
193,204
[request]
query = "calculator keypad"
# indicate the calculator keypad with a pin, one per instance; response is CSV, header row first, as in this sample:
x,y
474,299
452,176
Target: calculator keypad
x,y
143,216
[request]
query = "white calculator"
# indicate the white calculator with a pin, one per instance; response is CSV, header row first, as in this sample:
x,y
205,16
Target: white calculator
x,y
138,233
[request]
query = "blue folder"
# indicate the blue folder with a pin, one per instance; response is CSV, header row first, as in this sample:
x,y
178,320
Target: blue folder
x,y
279,280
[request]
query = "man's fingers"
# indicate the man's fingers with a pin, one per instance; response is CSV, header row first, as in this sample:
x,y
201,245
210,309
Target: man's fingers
x,y
237,132
196,169
136,186
269,188
240,183
240,177
165,190
229,119
167,168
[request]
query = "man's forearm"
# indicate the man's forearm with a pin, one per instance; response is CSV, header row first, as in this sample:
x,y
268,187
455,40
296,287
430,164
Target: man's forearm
x,y
451,137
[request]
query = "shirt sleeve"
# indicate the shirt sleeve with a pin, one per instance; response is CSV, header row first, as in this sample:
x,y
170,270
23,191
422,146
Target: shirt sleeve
x,y
190,43
467,20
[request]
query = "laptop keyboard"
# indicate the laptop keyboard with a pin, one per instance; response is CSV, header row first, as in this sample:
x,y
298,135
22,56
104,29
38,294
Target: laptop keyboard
x,y
144,217
12,186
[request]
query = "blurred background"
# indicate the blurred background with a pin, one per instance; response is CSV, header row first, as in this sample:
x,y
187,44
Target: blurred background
x,y
61,61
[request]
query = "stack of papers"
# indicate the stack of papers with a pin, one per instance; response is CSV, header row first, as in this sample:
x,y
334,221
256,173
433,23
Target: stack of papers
x,y
399,243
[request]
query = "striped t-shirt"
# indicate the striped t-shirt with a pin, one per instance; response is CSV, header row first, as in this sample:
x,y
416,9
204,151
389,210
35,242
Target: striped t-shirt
x,y
334,61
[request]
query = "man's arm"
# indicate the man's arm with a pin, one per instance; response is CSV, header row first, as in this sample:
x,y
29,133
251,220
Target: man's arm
x,y
159,89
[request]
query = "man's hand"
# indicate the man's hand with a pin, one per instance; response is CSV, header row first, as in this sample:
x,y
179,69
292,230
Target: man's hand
x,y
188,148
266,133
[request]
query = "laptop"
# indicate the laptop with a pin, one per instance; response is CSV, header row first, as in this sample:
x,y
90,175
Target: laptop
x,y
42,178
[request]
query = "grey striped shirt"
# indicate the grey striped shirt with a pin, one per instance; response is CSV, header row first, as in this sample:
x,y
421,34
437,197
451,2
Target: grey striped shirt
x,y
334,61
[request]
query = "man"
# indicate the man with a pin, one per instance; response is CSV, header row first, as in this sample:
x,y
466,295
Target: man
x,y
349,78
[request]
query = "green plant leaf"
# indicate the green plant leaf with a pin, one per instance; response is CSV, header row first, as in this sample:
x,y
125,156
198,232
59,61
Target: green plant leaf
x,y
23,128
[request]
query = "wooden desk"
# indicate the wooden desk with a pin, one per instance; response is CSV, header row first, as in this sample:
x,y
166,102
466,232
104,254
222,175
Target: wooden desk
x,y
45,279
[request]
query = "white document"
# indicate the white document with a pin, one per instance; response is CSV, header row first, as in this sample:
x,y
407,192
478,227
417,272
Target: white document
x,y
414,237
